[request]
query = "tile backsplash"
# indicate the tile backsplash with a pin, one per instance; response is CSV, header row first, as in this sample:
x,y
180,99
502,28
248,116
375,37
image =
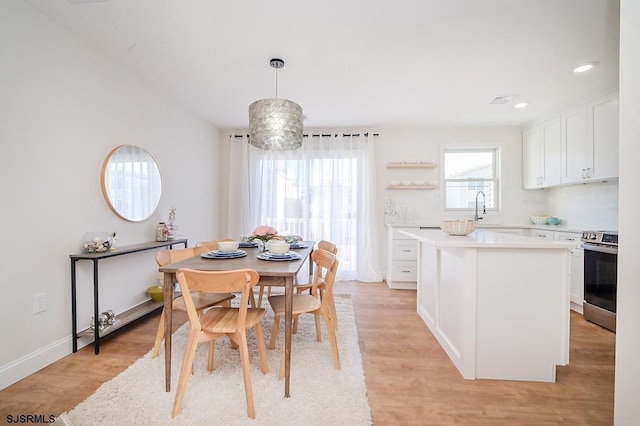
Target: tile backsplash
x,y
589,206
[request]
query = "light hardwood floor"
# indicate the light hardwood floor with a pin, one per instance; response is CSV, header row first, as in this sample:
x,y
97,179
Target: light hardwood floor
x,y
409,378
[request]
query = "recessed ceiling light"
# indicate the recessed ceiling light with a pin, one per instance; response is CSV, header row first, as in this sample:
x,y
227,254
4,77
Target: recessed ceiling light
x,y
585,67
521,105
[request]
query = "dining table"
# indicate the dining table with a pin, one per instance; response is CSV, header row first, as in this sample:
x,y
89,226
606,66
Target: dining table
x,y
276,273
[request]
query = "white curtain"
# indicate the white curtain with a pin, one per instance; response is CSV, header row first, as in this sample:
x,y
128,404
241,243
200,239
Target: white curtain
x,y
322,191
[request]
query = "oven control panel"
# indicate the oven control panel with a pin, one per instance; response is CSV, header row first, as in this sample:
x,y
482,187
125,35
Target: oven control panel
x,y
600,237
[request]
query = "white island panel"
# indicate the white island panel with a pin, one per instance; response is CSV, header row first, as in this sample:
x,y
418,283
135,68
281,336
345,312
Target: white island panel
x,y
522,314
497,303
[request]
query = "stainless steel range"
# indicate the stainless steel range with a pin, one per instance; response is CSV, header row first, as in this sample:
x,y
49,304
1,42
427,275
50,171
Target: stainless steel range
x,y
600,277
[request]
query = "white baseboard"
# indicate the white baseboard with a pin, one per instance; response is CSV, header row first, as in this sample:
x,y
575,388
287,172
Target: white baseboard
x,y
402,285
577,307
30,363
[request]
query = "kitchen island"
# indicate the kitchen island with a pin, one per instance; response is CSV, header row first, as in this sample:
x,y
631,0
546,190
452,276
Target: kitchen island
x,y
497,303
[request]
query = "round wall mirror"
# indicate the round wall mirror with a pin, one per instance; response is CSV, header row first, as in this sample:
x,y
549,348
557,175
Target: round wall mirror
x,y
131,183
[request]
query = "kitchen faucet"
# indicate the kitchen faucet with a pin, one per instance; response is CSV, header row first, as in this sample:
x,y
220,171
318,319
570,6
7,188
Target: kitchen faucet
x,y
484,207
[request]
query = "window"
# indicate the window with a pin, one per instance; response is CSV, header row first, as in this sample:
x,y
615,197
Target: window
x,y
322,191
468,171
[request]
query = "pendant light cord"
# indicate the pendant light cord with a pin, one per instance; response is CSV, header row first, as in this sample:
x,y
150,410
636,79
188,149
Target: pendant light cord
x,y
276,83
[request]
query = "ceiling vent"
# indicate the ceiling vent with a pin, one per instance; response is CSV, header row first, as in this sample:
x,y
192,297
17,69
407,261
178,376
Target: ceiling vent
x,y
502,99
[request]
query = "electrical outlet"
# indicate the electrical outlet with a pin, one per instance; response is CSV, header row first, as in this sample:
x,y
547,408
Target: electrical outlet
x,y
39,303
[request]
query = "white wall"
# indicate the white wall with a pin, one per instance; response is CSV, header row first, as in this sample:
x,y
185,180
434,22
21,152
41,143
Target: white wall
x,y
64,107
426,144
627,388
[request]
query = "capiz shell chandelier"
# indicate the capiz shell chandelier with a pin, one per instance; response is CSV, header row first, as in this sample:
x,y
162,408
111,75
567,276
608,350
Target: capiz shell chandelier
x,y
275,124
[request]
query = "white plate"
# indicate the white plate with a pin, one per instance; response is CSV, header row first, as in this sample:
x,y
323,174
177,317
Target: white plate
x,y
295,246
217,254
283,255
278,257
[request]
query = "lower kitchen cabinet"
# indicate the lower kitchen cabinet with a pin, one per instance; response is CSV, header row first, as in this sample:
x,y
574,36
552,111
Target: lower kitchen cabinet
x,y
402,267
576,289
577,269
542,233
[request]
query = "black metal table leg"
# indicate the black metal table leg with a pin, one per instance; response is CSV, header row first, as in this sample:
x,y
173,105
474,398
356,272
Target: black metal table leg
x,y
74,319
96,328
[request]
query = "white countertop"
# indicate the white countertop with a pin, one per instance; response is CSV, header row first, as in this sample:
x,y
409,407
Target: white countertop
x,y
559,228
485,239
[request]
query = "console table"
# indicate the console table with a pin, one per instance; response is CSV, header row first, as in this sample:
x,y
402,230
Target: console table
x,y
123,318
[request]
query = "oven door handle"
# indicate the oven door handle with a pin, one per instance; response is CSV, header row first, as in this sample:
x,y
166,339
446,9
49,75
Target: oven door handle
x,y
601,249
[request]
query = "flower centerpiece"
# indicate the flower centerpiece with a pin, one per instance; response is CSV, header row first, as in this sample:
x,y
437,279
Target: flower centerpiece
x,y
263,233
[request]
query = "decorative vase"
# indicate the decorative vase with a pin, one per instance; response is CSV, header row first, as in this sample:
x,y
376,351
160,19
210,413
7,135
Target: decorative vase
x,y
162,232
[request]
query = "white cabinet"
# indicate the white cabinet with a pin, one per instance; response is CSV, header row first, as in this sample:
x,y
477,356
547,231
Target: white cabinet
x,y
533,158
577,269
574,145
402,267
542,233
542,151
576,291
552,142
590,141
602,137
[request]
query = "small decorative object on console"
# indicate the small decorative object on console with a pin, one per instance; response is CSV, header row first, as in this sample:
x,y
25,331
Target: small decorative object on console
x,y
156,293
162,232
172,226
97,242
105,319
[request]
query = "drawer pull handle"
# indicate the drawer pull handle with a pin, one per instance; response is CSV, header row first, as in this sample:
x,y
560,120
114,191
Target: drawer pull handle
x,y
406,271
406,251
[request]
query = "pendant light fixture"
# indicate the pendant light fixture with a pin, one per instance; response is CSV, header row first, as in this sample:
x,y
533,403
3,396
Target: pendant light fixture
x,y
275,124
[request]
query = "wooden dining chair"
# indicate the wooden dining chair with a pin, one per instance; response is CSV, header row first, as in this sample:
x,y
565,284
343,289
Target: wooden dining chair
x,y
201,301
312,304
301,288
221,321
213,245
322,245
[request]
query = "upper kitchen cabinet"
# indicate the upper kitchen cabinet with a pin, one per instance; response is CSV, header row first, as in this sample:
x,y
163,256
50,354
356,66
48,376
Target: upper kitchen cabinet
x,y
574,145
590,141
602,135
542,148
533,157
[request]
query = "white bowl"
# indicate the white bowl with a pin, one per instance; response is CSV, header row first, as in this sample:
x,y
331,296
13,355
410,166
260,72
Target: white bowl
x,y
418,182
539,220
458,227
278,247
228,246
406,182
394,182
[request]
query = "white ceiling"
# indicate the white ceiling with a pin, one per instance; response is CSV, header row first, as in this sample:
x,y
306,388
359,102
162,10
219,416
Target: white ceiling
x,y
354,63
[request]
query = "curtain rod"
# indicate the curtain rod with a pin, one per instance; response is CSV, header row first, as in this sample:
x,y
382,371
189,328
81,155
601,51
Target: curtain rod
x,y
315,135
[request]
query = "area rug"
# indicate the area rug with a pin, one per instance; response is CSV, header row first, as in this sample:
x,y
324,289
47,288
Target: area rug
x,y
320,394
